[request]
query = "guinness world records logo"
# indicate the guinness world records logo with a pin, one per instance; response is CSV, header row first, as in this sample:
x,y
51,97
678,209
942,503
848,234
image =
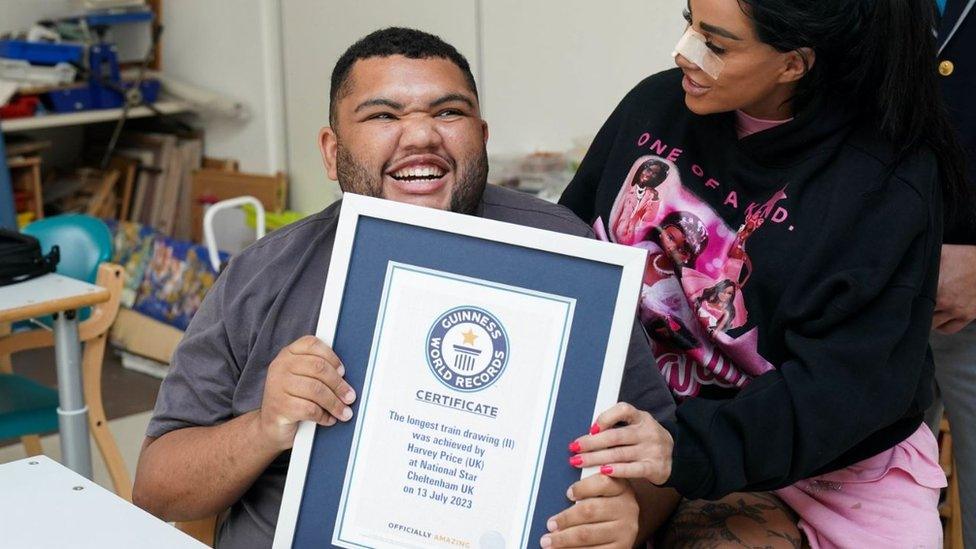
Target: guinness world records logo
x,y
467,349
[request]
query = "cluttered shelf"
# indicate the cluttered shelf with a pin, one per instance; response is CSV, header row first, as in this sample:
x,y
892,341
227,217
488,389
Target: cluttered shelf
x,y
88,117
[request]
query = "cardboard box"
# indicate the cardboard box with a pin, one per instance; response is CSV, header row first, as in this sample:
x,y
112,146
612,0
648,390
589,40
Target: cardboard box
x,y
144,336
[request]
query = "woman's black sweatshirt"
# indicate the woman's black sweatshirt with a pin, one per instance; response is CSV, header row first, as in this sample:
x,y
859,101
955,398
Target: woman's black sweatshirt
x,y
790,283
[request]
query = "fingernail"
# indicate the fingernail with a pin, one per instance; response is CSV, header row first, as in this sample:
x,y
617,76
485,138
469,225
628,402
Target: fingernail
x,y
341,370
551,525
346,414
574,447
546,541
330,421
576,461
349,397
595,428
569,495
606,470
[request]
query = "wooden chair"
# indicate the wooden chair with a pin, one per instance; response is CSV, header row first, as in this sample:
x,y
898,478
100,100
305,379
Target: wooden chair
x,y
203,530
93,332
950,510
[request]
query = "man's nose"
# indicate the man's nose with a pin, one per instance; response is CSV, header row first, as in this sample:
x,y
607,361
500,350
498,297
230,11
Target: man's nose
x,y
420,133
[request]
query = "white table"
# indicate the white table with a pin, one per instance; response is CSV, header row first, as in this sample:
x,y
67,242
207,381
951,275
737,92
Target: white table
x,y
61,296
45,505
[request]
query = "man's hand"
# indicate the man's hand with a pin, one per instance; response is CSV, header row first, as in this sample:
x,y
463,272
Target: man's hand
x,y
955,305
641,448
304,382
605,514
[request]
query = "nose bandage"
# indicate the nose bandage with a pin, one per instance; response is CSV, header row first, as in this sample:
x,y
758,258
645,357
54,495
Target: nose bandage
x,y
692,47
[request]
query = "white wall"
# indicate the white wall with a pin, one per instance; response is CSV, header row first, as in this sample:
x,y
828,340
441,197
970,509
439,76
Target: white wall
x,y
315,34
221,45
555,69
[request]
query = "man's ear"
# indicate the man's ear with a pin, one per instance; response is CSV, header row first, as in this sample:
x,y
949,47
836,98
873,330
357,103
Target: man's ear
x,y
798,64
329,147
484,130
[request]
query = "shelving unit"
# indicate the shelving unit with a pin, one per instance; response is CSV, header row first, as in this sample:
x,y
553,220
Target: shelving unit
x,y
87,117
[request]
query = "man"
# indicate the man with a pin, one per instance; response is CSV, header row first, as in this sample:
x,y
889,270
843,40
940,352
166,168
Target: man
x,y
954,343
405,125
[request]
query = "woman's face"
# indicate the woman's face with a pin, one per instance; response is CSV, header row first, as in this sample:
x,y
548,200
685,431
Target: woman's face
x,y
726,295
756,78
648,174
674,243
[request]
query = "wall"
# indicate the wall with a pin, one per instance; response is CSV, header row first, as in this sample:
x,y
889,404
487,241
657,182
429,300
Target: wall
x,y
221,45
549,71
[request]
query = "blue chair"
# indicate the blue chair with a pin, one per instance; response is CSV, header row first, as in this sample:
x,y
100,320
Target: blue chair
x,y
84,242
28,408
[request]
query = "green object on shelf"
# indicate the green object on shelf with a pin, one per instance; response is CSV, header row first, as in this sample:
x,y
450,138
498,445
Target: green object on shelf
x,y
272,220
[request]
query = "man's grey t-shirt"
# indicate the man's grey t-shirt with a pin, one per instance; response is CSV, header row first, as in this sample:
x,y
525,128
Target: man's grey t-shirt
x,y
269,296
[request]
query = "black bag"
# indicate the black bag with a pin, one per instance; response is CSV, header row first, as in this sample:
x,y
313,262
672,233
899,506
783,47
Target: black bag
x,y
21,258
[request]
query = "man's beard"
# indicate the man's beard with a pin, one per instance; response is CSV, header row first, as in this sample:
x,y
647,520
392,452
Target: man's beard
x,y
469,183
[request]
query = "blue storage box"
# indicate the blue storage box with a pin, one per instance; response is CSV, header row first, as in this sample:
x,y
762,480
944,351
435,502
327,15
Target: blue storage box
x,y
87,97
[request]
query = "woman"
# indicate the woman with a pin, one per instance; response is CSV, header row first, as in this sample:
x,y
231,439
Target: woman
x,y
638,202
715,308
815,126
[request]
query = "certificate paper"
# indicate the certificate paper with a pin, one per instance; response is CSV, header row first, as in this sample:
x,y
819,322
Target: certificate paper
x,y
456,426
478,350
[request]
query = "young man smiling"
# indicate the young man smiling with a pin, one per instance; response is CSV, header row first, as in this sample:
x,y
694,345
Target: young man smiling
x,y
405,125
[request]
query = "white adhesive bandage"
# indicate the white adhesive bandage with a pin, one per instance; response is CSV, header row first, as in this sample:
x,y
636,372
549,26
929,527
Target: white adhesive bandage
x,y
692,47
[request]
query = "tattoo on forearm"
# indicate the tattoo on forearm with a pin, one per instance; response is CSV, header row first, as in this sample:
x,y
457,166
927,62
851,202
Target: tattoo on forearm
x,y
706,525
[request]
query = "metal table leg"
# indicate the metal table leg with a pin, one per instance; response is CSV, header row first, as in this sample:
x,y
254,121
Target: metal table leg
x,y
72,412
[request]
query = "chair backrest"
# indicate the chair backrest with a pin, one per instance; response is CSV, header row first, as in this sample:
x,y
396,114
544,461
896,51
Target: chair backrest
x,y
84,242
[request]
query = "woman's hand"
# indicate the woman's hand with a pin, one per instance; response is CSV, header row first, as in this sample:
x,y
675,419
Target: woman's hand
x,y
639,449
605,514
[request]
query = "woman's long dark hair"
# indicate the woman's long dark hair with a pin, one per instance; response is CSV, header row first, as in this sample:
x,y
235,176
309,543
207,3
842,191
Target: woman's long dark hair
x,y
880,55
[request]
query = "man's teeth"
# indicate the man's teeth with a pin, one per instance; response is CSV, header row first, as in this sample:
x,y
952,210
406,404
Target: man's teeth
x,y
417,172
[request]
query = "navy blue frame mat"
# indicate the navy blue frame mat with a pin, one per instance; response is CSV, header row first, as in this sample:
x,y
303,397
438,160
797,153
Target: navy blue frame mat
x,y
594,285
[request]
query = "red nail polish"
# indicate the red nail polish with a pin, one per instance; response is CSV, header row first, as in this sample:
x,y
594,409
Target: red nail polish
x,y
574,447
576,461
606,470
595,429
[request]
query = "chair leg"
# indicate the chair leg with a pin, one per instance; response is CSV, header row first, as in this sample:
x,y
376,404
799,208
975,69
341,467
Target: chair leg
x,y
32,445
98,423
954,525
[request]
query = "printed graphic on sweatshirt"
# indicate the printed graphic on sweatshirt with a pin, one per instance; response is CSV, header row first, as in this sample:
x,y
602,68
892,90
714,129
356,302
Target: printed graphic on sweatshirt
x,y
696,270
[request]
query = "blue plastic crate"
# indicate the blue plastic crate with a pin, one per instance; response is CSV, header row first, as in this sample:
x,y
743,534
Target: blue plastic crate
x,y
41,53
85,98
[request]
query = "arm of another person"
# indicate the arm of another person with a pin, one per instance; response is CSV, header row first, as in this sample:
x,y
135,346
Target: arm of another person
x,y
197,459
610,512
955,307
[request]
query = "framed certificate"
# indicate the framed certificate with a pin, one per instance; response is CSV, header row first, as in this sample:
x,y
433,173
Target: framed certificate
x,y
478,349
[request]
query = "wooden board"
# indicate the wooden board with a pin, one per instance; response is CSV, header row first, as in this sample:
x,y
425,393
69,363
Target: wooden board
x,y
270,190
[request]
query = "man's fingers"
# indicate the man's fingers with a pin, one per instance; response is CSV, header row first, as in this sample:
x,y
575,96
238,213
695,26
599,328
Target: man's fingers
x,y
300,409
596,535
311,389
324,373
951,327
311,345
595,486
